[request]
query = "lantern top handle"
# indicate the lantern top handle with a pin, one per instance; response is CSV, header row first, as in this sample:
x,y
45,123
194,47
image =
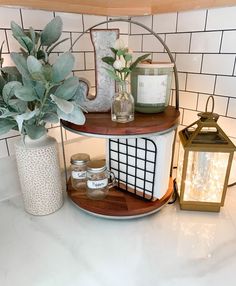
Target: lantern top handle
x,y
213,104
209,116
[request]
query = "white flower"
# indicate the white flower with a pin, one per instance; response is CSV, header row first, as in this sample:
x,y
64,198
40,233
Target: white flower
x,y
118,65
119,44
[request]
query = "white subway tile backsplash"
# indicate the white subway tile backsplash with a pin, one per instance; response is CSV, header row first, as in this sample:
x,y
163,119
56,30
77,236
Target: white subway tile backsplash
x,y
145,20
181,79
124,27
228,125
36,18
88,75
7,15
189,116
14,46
79,61
3,39
221,18
191,21
164,23
220,103
135,42
53,57
71,22
151,43
83,44
7,60
232,108
91,20
229,42
218,64
205,42
89,61
200,83
226,86
178,42
136,55
64,46
189,62
3,149
181,116
161,57
72,136
188,100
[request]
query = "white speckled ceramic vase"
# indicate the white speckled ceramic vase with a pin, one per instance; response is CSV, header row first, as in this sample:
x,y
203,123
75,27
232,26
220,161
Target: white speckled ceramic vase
x,y
39,173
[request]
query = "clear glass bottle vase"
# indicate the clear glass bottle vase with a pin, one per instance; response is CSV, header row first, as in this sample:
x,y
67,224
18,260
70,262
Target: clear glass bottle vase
x,y
122,107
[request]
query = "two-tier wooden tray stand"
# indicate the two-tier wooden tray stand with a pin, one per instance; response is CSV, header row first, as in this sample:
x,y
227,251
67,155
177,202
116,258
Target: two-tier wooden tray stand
x,y
120,204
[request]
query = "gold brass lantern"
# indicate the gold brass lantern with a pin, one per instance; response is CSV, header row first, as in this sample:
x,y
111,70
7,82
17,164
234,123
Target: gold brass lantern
x,y
204,163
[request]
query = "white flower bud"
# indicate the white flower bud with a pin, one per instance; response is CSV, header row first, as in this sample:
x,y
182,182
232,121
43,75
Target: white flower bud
x,y
119,44
118,65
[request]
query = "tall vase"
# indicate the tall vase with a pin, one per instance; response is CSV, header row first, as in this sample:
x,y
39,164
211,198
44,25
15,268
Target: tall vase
x,y
39,173
122,108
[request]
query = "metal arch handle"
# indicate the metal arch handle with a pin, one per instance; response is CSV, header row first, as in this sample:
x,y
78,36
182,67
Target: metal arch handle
x,y
213,103
155,35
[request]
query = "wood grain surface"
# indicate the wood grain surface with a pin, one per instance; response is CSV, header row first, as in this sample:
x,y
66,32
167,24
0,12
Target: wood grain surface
x,y
118,8
101,124
118,203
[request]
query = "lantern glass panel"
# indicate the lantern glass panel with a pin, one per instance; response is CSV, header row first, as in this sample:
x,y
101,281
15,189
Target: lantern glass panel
x,y
205,176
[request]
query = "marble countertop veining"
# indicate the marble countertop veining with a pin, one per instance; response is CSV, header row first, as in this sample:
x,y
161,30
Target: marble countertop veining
x,y
70,247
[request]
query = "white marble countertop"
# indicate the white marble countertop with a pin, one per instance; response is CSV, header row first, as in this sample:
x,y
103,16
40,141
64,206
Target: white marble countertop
x,y
70,247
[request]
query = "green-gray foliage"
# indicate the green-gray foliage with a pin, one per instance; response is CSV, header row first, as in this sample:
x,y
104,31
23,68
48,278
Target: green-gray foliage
x,y
51,32
35,92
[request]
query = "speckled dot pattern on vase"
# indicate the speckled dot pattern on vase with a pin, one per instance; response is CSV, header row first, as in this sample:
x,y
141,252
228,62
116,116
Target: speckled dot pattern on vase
x,y
39,172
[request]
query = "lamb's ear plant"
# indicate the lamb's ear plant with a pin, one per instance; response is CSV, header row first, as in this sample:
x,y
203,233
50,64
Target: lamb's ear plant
x,y
35,92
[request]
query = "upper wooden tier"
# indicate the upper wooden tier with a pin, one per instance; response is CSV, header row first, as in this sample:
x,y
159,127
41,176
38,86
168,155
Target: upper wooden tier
x,y
118,7
101,124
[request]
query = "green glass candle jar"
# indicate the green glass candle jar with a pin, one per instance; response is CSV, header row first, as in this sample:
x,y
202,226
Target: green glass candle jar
x,y
151,86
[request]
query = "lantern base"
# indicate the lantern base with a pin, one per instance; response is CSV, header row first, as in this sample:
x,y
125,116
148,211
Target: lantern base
x,y
197,207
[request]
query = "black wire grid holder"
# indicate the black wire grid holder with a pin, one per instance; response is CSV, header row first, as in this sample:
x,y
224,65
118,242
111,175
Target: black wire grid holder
x,y
141,180
135,178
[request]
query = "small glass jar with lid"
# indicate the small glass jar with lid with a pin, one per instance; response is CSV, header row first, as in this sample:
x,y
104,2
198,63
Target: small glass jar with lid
x,y
98,179
79,170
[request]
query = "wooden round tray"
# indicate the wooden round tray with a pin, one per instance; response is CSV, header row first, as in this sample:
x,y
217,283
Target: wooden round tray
x,y
101,124
118,204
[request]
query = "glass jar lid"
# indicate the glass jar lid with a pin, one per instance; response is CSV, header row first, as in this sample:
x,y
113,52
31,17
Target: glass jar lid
x,y
79,159
96,166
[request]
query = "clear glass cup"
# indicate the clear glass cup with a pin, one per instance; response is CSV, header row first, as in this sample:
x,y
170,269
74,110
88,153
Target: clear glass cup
x,y
99,179
79,170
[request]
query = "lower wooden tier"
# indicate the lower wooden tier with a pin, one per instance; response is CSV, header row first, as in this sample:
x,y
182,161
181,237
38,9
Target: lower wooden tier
x,y
118,204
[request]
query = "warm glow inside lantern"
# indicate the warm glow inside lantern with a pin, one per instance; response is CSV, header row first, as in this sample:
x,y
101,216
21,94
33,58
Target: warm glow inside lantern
x,y
205,159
